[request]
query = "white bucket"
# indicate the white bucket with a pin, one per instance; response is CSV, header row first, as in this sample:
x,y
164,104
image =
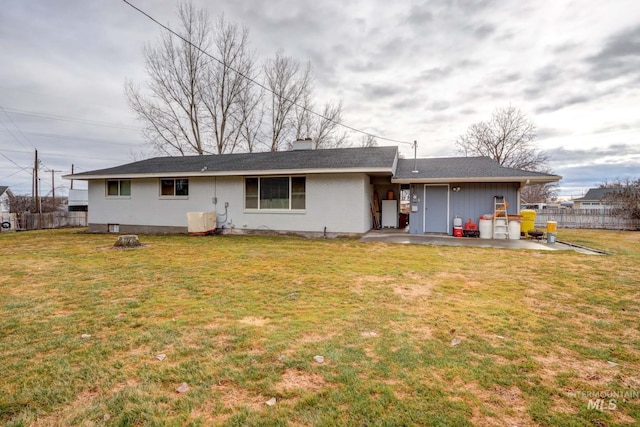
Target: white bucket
x,y
457,221
514,230
486,228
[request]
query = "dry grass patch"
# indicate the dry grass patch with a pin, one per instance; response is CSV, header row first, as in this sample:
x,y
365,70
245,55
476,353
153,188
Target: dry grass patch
x,y
254,321
295,379
596,373
500,406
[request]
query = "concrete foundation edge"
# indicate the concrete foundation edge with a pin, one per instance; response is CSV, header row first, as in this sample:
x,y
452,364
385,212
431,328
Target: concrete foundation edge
x,y
158,229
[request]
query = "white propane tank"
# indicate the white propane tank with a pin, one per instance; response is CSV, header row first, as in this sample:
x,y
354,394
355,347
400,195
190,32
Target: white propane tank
x,y
457,221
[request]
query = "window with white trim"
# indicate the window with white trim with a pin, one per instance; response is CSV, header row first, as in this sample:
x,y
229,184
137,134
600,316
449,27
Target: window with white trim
x,y
174,187
118,187
278,192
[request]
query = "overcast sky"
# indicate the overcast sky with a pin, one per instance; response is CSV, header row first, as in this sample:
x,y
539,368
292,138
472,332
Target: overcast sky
x,y
411,70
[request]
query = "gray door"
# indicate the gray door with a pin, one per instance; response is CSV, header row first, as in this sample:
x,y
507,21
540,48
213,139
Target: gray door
x,y
436,211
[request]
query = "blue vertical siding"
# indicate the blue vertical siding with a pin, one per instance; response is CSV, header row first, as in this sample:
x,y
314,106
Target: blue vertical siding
x,y
472,201
416,218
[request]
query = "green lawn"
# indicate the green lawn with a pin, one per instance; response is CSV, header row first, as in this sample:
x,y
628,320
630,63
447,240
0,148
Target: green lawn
x,y
241,318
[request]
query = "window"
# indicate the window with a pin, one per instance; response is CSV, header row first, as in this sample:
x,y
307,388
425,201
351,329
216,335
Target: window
x,y
174,187
119,187
282,192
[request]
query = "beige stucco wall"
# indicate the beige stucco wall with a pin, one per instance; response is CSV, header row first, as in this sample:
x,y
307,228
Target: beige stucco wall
x,y
339,202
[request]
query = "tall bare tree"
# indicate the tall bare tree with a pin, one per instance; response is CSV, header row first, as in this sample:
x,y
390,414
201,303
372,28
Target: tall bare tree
x,y
251,109
225,84
171,107
191,102
508,137
325,128
288,85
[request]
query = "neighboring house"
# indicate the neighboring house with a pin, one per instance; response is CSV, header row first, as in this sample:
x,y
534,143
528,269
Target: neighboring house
x,y
78,200
5,196
596,198
318,192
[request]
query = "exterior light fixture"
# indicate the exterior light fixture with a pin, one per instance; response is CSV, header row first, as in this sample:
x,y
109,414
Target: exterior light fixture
x,y
456,188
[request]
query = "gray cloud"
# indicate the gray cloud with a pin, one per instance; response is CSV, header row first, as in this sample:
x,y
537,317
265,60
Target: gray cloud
x,y
563,155
619,57
484,30
564,101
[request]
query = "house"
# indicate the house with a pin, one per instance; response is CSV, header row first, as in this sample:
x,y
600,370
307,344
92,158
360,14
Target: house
x,y
5,197
596,198
316,192
78,200
7,219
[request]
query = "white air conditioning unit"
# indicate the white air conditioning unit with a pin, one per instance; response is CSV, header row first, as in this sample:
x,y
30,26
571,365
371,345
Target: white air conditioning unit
x,y
201,223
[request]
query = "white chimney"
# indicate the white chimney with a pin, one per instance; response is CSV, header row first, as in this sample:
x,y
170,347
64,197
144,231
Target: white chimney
x,y
302,144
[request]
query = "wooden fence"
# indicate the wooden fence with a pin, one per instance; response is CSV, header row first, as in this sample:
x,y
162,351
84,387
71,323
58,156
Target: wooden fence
x,y
585,218
32,221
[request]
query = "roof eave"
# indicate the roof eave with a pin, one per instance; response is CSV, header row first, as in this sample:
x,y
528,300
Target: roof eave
x,y
526,180
299,171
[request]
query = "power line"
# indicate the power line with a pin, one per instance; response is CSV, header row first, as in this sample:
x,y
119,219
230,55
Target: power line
x,y
68,119
17,127
12,174
258,83
76,138
64,155
10,132
21,167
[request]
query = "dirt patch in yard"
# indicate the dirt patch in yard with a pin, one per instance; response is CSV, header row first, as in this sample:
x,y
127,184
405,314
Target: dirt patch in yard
x,y
361,284
593,372
498,400
413,291
228,399
295,379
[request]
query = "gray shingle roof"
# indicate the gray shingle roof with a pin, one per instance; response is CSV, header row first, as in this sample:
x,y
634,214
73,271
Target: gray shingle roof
x,y
462,168
3,188
598,194
339,158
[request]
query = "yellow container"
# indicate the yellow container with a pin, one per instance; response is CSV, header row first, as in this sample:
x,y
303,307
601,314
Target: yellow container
x,y
528,220
552,226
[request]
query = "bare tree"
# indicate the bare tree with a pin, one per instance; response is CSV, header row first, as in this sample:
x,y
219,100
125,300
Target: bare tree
x,y
18,203
368,141
287,85
508,138
226,83
172,109
325,128
251,109
625,196
540,193
191,102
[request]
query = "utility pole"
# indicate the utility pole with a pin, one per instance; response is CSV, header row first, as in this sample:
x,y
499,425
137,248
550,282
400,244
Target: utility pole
x,y
36,182
53,187
72,174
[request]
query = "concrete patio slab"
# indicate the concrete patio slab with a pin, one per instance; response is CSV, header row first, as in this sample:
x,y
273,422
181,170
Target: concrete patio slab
x,y
397,236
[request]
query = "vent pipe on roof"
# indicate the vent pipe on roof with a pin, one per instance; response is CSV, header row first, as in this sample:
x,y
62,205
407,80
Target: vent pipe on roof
x,y
415,157
302,144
